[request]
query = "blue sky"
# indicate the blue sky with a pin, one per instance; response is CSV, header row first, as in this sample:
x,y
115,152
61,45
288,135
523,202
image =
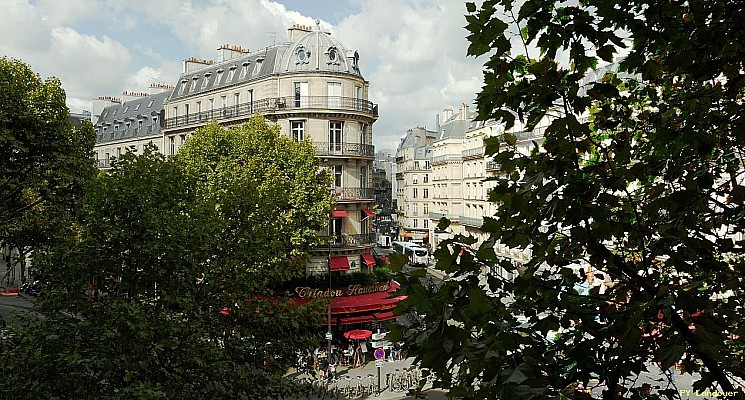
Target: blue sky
x,y
413,52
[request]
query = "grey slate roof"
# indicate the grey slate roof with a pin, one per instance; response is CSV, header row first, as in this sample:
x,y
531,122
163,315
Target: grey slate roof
x,y
322,54
143,108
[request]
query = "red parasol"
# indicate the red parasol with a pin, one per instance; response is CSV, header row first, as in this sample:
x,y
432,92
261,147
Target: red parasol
x,y
358,334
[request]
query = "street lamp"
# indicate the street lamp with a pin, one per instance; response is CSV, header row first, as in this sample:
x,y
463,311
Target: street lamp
x,y
328,333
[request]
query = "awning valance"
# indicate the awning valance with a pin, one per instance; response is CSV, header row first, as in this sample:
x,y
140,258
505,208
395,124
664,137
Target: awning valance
x,y
384,316
356,320
339,214
367,212
369,260
378,301
339,263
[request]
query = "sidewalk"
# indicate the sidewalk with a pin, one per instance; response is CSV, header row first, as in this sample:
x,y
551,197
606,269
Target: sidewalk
x,y
387,368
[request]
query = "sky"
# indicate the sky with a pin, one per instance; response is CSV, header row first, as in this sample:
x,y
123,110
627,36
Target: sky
x,y
413,52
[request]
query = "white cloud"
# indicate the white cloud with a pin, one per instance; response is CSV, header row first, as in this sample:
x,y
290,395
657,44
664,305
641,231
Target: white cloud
x,y
413,52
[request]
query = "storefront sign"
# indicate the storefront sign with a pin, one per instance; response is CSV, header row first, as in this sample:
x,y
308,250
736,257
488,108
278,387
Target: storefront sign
x,y
352,290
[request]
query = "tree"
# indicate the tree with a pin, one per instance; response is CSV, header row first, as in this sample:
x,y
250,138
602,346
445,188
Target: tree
x,y
639,177
162,292
45,161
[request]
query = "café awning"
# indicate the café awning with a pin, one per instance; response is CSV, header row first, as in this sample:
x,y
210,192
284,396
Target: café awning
x,y
378,301
369,260
340,263
384,316
339,214
368,212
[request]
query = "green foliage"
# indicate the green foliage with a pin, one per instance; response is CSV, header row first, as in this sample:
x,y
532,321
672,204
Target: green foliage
x,y
638,177
45,161
162,291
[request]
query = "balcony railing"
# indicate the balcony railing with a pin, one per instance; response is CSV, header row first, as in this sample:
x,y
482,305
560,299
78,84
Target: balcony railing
x,y
399,176
434,215
473,153
104,163
469,221
493,166
354,193
355,240
446,158
276,105
344,149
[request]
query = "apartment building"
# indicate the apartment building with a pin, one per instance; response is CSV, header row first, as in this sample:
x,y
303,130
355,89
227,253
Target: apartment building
x,y
413,185
310,86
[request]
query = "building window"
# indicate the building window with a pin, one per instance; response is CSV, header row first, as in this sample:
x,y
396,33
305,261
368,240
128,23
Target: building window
x,y
211,106
425,179
335,135
298,130
244,71
193,84
363,177
236,101
415,193
336,227
415,178
175,114
415,208
139,126
206,80
257,66
224,104
302,55
336,171
426,209
363,133
301,94
186,112
231,74
199,107
426,222
182,87
118,152
155,121
416,223
217,78
250,100
334,93
425,193
172,144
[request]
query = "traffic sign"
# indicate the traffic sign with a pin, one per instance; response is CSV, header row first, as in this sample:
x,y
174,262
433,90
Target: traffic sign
x,y
379,353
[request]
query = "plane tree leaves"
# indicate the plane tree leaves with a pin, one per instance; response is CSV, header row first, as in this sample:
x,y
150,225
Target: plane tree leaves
x,y
637,182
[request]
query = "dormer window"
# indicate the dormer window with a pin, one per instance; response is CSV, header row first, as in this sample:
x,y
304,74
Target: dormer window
x,y
257,66
231,74
332,56
302,55
150,104
218,77
244,70
126,108
137,107
193,84
356,60
206,79
182,87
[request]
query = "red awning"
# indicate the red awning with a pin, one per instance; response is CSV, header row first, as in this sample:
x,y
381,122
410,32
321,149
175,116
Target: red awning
x,y
369,260
384,316
368,212
378,301
356,320
339,263
339,214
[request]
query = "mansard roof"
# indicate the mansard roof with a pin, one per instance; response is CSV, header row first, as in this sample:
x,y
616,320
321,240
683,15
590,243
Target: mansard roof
x,y
312,51
142,108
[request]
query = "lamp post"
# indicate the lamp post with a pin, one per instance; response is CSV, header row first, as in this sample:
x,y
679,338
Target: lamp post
x,y
328,334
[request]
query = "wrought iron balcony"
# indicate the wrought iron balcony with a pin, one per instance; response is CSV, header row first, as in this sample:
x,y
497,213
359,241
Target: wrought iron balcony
x,y
274,105
473,222
347,240
354,193
493,166
344,149
473,153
